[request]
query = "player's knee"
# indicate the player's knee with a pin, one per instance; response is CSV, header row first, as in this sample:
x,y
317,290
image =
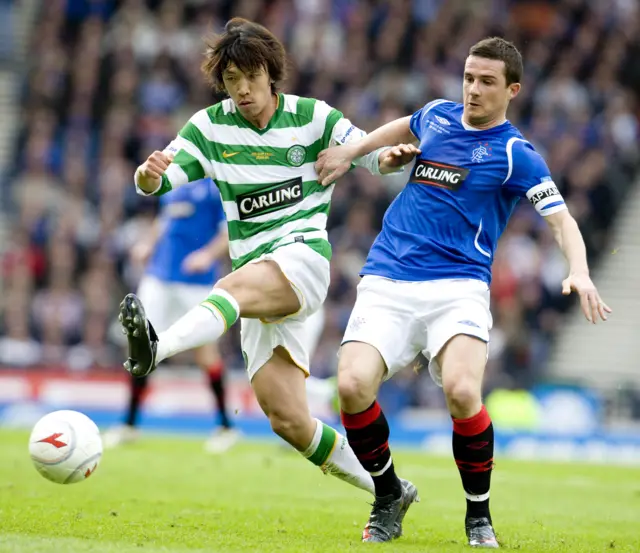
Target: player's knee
x,y
231,283
240,287
464,396
282,425
292,429
356,390
360,372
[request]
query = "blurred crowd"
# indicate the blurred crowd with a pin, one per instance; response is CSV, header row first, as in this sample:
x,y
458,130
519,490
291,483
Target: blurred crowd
x,y
109,81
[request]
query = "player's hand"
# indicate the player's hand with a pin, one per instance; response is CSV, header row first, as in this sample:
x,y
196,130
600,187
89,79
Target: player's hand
x,y
141,252
397,156
198,261
332,163
151,171
592,305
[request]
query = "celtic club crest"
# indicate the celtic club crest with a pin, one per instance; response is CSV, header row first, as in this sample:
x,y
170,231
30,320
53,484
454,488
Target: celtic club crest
x,y
296,155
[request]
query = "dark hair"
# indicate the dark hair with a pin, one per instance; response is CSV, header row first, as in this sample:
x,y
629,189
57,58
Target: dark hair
x,y
497,48
250,47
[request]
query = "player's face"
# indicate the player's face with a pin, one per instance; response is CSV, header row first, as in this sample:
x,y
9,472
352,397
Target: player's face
x,y
251,92
485,92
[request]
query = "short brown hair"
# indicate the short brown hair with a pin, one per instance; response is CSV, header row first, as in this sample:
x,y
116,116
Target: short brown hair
x,y
497,48
250,47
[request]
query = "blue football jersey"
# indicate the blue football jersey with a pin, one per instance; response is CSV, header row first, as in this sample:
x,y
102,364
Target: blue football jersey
x,y
191,217
463,187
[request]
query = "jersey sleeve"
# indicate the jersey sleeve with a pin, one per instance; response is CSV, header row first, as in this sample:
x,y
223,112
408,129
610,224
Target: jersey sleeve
x,y
190,162
345,132
418,119
330,121
528,176
338,130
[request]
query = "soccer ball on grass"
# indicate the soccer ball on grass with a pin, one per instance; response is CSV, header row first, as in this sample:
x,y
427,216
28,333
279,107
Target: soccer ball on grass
x,y
65,447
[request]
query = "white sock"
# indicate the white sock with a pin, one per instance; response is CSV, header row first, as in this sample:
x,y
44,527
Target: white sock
x,y
203,324
331,451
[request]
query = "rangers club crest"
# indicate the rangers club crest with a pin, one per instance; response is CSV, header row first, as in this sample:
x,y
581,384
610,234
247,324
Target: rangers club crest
x,y
481,152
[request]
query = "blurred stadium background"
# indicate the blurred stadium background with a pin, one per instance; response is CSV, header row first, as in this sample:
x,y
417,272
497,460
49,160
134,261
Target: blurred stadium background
x,y
89,87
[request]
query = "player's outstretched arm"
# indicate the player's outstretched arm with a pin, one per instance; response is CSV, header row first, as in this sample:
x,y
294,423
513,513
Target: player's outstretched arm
x,y
567,234
181,162
334,162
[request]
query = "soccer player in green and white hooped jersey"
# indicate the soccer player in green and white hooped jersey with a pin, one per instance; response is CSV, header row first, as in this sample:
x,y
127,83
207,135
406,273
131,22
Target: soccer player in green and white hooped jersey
x,y
260,147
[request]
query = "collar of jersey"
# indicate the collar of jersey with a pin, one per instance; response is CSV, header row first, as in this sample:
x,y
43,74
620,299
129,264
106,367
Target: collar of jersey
x,y
272,121
468,127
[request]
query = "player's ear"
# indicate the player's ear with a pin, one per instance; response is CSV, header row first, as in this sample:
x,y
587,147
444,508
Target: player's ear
x,y
514,89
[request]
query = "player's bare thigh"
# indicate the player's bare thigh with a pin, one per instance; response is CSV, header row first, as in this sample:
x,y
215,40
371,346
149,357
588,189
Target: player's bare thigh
x,y
462,361
261,290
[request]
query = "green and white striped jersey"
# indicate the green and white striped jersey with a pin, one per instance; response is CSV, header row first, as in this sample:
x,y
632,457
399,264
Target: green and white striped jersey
x,y
266,177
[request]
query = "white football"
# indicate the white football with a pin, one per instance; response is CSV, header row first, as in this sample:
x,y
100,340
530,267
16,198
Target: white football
x,y
65,447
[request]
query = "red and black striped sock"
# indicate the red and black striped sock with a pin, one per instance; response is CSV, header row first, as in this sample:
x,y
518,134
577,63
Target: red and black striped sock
x,y
138,386
473,452
368,435
216,383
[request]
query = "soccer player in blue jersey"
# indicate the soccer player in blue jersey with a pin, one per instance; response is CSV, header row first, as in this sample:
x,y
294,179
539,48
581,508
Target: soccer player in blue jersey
x,y
425,285
182,255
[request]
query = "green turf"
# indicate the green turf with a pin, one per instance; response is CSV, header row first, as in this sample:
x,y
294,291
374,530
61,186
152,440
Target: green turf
x,y
165,495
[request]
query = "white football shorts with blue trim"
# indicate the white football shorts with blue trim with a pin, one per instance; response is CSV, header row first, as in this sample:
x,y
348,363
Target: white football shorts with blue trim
x,y
403,319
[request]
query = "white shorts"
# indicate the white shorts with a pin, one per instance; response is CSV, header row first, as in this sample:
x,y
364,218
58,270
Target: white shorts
x,y
165,302
308,273
403,319
315,327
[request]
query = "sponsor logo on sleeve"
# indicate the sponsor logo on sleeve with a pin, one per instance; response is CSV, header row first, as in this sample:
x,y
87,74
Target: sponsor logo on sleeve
x,y
345,136
352,133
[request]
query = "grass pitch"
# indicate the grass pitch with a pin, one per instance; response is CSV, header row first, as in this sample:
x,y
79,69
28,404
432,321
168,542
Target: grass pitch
x,y
166,495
